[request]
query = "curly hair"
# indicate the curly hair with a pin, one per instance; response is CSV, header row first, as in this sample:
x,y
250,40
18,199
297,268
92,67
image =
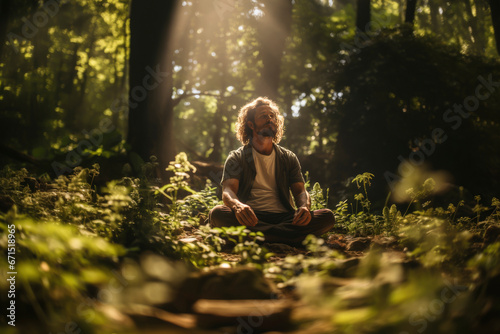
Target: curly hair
x,y
247,113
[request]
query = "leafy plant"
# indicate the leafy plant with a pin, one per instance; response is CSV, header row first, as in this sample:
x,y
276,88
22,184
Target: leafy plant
x,y
478,208
199,203
59,267
359,222
486,263
363,180
391,216
246,243
433,241
180,167
318,199
319,260
417,196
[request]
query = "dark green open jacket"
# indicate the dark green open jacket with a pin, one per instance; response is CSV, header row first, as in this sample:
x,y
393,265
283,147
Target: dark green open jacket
x,y
240,165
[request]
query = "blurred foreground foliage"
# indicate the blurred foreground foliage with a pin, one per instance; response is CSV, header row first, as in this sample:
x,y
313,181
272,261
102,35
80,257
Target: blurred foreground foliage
x,y
83,253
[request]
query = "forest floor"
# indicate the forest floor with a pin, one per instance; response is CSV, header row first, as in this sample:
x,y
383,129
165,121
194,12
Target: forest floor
x,y
290,310
149,271
288,313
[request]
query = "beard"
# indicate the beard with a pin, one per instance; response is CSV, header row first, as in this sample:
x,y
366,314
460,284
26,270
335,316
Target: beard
x,y
268,131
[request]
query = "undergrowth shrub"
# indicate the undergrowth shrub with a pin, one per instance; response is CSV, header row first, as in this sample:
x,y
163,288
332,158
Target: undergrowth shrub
x,y
318,198
59,270
72,236
355,217
245,244
360,221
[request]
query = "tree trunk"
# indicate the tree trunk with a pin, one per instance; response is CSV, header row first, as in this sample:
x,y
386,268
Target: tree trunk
x,y
401,11
216,154
150,77
472,22
411,6
435,16
118,115
117,88
363,15
273,30
39,107
32,134
69,89
481,17
4,22
495,17
80,106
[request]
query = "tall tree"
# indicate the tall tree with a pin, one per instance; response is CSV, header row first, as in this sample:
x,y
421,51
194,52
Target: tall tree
x,y
4,21
150,93
495,17
273,29
218,119
411,6
435,16
363,15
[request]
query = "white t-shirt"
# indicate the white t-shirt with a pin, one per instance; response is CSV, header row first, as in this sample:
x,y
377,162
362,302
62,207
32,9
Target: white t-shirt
x,y
264,195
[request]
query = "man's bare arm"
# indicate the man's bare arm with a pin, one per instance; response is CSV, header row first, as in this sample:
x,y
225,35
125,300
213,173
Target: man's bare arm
x,y
243,212
303,203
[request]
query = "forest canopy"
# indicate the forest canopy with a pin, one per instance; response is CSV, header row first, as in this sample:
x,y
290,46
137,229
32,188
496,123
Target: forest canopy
x,y
72,85
65,78
116,118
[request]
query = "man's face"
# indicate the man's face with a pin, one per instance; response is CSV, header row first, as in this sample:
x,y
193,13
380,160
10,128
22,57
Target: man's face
x,y
265,122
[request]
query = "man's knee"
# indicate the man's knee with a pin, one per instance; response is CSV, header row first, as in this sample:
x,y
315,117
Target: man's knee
x,y
218,210
220,215
330,217
215,215
325,218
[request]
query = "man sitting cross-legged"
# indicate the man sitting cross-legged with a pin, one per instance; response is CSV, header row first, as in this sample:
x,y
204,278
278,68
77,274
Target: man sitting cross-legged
x,y
258,178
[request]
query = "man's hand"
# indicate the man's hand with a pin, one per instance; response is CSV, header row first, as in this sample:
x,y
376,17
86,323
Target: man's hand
x,y
303,202
302,216
245,215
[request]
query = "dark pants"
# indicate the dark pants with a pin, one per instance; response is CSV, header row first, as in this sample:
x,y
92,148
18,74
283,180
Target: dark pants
x,y
277,227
